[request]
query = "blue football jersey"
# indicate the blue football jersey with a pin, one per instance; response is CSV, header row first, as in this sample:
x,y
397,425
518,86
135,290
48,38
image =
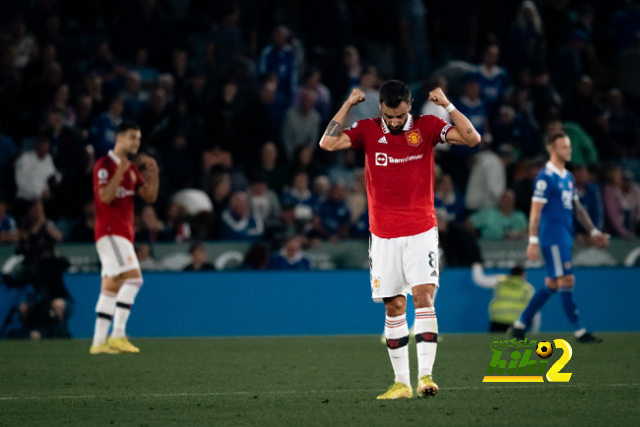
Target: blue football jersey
x,y
557,190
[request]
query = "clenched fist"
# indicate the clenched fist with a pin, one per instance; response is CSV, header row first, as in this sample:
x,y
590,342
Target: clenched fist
x,y
437,97
356,97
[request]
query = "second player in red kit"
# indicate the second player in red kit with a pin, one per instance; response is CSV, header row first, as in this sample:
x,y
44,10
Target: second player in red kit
x,y
403,252
116,181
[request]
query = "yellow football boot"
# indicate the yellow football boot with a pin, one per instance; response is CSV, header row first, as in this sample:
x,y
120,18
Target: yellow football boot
x,y
103,348
426,387
123,345
397,391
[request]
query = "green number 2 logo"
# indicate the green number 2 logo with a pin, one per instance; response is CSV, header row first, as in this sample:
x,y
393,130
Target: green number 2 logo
x,y
554,375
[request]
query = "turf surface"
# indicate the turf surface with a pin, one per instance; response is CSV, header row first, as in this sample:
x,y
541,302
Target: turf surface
x,y
309,381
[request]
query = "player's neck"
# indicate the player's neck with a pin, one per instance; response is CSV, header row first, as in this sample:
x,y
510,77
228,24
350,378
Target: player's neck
x,y
120,152
558,163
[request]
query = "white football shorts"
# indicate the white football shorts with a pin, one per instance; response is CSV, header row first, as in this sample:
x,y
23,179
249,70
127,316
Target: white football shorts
x,y
116,255
397,265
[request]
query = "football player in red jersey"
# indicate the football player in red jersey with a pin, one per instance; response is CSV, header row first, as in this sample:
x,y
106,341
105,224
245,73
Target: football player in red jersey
x,y
116,180
403,249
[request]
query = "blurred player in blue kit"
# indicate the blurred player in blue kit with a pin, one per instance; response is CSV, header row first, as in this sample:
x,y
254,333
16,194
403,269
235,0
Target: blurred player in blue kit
x,y
551,230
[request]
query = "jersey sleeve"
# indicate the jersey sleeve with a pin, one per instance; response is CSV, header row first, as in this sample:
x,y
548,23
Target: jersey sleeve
x,y
101,175
355,133
541,188
437,130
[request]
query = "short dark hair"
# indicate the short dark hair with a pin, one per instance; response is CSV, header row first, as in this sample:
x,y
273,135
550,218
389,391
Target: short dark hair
x,y
551,139
126,126
394,92
196,244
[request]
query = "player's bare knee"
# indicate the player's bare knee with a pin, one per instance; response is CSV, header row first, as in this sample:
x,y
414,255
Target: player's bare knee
x,y
395,306
423,295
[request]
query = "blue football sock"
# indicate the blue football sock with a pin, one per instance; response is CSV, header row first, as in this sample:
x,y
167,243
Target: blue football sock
x,y
570,308
535,304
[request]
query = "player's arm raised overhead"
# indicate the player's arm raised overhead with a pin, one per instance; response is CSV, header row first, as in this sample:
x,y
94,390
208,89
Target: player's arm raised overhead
x,y
149,190
107,193
333,138
597,238
463,133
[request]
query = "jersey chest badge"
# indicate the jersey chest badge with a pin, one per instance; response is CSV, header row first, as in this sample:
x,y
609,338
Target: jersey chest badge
x,y
414,137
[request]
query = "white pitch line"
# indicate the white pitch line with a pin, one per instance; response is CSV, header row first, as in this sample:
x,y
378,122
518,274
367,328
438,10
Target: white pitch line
x,y
241,393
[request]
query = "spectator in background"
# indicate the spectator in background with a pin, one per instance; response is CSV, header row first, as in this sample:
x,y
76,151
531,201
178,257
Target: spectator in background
x,y
84,116
144,253
585,109
155,120
134,97
8,226
178,159
360,229
345,168
459,246
300,196
523,188
623,125
627,69
412,23
320,191
568,66
227,36
61,103
526,37
590,197
618,212
264,202
257,257
347,75
493,80
21,41
487,180
140,65
311,83
199,258
237,223
501,223
103,130
290,256
151,229
177,228
274,172
357,195
447,197
84,232
279,58
334,213
545,100
631,192
34,170
301,125
285,227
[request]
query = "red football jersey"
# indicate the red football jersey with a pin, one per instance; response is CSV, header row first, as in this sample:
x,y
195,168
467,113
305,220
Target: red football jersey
x,y
399,173
116,217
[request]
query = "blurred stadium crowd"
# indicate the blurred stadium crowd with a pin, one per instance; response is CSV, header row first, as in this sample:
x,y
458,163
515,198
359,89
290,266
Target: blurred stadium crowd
x,y
233,96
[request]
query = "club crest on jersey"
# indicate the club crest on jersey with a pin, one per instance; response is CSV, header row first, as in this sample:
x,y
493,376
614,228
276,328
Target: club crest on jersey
x,y
375,283
414,138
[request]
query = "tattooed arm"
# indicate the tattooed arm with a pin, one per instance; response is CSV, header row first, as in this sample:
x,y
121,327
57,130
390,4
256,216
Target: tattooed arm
x,y
463,133
333,138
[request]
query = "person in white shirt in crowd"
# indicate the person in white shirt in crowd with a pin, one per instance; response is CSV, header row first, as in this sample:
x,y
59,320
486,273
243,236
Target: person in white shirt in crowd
x,y
34,168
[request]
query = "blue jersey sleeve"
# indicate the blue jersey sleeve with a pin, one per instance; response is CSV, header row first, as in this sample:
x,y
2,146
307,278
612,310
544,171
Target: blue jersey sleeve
x,y
541,188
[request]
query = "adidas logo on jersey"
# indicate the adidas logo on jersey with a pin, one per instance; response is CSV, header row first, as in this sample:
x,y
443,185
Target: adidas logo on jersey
x,y
382,140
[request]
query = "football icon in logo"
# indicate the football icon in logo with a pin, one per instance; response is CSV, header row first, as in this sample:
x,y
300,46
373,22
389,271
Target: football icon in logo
x,y
544,349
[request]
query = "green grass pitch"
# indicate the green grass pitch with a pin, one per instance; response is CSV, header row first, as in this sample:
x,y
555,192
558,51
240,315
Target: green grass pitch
x,y
304,381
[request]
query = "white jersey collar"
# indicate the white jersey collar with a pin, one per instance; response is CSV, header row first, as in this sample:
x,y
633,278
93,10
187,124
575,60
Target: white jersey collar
x,y
114,157
407,126
562,173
